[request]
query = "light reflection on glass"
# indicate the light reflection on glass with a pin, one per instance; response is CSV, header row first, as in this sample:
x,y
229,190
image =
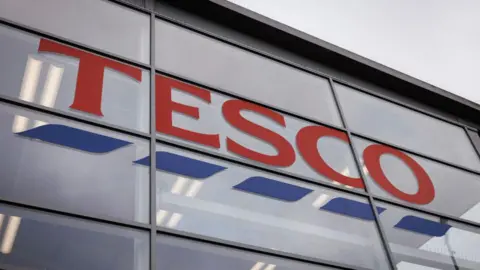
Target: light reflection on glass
x,y
10,234
172,222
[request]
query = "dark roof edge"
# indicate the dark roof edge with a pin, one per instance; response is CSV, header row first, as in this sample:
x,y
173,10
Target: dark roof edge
x,y
283,36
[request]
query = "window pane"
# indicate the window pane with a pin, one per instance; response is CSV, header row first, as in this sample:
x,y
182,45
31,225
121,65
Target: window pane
x,y
178,254
104,26
426,242
270,138
33,240
62,165
205,196
54,75
420,182
398,125
223,66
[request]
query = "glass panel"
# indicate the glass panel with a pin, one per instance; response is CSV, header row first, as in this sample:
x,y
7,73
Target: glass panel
x,y
51,74
33,241
62,165
228,126
178,254
418,181
103,28
401,126
223,66
216,199
425,242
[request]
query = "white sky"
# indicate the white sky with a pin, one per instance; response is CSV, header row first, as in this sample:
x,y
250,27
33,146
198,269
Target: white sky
x,y
437,41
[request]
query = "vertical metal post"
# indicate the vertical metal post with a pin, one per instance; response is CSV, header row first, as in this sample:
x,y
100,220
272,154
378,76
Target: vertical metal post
x,y
364,179
153,161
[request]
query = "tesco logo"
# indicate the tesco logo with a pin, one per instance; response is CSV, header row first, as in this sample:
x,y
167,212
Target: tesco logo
x,y
88,97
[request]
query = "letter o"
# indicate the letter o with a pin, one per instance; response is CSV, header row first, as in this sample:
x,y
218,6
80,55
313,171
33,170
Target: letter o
x,y
426,190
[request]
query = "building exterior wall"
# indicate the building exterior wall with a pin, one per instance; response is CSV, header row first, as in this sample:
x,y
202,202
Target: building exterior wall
x,y
140,138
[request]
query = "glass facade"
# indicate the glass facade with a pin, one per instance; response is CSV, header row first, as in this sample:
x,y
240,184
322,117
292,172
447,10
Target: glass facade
x,y
212,156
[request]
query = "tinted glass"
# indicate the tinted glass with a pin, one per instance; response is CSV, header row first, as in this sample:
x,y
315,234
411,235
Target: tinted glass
x,y
421,241
272,139
401,126
62,165
222,200
54,75
32,240
223,66
105,25
421,182
178,254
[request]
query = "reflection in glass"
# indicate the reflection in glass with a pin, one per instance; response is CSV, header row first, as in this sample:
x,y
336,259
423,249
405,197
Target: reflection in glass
x,y
401,126
221,200
178,254
50,74
32,240
71,167
447,181
421,241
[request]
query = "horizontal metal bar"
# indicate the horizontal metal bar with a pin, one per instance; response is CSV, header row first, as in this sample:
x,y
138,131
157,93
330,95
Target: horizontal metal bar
x,y
426,211
70,116
255,249
254,165
471,128
247,99
131,6
72,43
407,150
79,215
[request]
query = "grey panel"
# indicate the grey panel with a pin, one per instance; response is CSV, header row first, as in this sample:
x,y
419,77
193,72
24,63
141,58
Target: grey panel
x,y
421,241
311,225
36,241
105,25
171,254
401,126
71,176
234,70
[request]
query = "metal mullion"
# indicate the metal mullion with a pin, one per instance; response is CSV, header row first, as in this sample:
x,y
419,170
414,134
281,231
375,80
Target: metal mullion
x,y
254,249
381,230
426,211
69,42
250,100
397,102
68,116
77,215
254,165
129,5
153,159
459,167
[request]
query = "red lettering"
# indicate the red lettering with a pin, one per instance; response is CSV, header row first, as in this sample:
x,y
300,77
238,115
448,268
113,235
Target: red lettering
x,y
231,111
88,91
426,190
307,139
165,107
